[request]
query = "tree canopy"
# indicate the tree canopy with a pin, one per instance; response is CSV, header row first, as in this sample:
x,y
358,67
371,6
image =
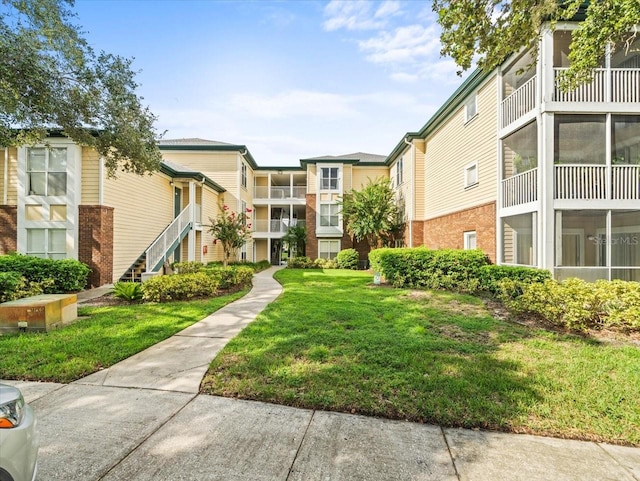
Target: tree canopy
x,y
490,30
50,78
372,213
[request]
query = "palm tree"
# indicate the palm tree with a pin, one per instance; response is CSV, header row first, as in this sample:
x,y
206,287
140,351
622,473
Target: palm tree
x,y
296,240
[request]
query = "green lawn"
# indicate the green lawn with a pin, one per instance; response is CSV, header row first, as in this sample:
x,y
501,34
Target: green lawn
x,y
332,341
108,335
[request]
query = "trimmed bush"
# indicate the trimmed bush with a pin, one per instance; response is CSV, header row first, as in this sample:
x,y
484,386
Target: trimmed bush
x,y
190,267
576,304
348,259
231,276
129,291
301,262
325,264
457,270
179,287
491,276
256,266
54,276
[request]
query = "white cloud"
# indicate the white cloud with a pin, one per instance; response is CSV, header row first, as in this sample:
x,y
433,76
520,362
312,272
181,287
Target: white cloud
x,y
404,77
388,8
352,15
404,45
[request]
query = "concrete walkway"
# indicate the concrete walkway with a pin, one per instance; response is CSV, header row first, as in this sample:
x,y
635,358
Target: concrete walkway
x,y
142,419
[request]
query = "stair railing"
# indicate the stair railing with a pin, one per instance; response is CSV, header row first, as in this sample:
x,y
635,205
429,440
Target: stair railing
x,y
157,252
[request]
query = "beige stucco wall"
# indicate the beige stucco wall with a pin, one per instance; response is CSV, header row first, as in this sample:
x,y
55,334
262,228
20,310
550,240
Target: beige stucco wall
x,y
143,207
90,189
361,175
454,146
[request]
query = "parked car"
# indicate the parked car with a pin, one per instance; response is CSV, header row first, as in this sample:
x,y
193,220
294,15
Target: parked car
x,y
18,437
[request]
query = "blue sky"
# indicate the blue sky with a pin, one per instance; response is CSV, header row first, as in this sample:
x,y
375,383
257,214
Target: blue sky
x,y
289,79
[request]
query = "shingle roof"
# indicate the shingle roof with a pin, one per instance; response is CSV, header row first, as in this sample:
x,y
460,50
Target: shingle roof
x,y
360,156
191,141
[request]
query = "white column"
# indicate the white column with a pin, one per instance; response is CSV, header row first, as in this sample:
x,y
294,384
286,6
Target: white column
x,y
191,237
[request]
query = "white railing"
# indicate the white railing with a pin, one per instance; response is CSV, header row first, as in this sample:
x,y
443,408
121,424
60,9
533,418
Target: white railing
x,y
614,85
594,91
625,182
580,182
625,84
280,192
520,102
275,225
160,247
520,189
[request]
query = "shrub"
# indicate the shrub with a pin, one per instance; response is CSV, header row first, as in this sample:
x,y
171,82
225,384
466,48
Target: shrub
x,y
54,276
129,291
190,267
576,304
10,283
256,266
231,276
325,264
179,287
432,269
491,276
348,259
301,262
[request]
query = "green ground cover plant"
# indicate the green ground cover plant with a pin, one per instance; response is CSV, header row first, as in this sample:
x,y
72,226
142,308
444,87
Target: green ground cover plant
x,y
334,341
107,335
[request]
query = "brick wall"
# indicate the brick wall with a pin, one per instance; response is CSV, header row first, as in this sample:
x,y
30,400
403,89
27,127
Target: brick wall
x,y
447,231
310,216
95,242
8,228
417,233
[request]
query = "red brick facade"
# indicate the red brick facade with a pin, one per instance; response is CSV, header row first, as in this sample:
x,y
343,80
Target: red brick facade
x,y
8,228
416,231
95,242
310,216
447,231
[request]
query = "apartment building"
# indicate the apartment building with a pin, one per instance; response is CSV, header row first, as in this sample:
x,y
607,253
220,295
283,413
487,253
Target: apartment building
x,y
509,164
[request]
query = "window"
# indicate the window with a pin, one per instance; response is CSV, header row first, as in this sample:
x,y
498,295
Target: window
x,y
244,175
470,240
471,175
625,141
329,178
579,139
328,249
399,169
47,171
244,212
329,215
398,243
243,252
471,108
47,243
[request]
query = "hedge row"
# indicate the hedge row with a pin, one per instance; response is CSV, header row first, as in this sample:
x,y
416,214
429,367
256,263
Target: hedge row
x,y
304,262
193,279
576,304
22,276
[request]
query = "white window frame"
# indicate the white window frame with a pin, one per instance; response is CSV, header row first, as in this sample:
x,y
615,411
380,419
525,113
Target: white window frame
x,y
330,178
468,235
243,252
471,108
330,215
328,251
469,168
243,175
399,172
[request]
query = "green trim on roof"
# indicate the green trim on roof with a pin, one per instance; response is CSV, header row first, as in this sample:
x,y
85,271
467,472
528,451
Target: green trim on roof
x,y
304,162
219,148
176,174
451,105
282,167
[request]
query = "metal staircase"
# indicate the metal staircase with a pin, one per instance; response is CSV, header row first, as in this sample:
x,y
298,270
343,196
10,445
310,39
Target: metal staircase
x,y
154,256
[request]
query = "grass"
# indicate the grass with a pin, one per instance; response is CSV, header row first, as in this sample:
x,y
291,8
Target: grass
x,y
107,336
334,342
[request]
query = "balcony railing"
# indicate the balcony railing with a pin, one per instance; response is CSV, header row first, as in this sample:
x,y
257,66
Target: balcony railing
x,y
520,102
280,192
614,85
625,182
520,189
275,225
576,182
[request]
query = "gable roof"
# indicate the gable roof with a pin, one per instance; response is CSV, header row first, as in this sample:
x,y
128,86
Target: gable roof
x,y
190,141
204,145
359,158
178,171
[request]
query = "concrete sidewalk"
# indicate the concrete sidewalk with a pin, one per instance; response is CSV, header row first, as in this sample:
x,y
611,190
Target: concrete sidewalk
x,y
142,419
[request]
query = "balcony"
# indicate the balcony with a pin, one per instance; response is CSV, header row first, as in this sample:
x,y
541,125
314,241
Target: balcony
x,y
620,85
520,189
264,226
280,192
519,103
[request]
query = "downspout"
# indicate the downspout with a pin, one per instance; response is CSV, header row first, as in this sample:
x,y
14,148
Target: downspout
x,y
412,187
5,192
